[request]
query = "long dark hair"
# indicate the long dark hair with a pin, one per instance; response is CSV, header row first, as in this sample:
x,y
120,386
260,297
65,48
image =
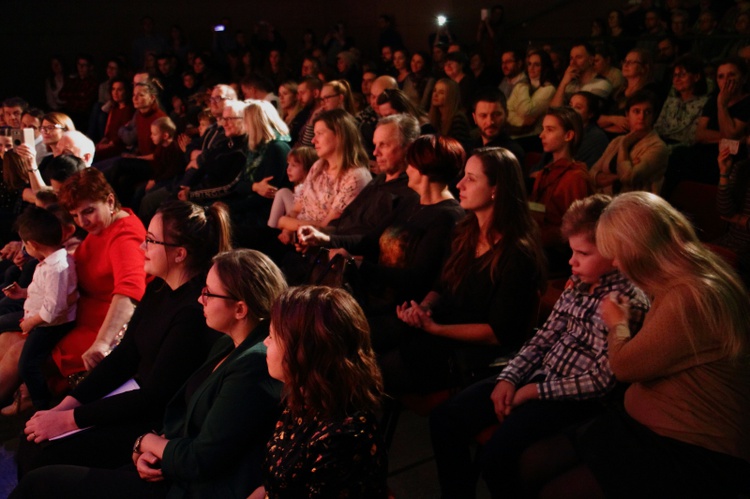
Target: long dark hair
x,y
511,220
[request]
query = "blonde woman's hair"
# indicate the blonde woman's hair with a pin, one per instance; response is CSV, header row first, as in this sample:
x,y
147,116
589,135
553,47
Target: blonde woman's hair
x,y
656,247
342,87
442,118
262,123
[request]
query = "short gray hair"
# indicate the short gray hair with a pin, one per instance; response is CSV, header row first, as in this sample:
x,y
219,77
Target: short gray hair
x,y
407,125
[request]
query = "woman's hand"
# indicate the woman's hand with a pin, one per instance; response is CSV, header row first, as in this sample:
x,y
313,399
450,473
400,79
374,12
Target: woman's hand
x,y
96,352
44,425
149,467
615,310
286,236
264,189
726,92
407,312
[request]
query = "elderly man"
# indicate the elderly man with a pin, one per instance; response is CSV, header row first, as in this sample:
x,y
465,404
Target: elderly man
x,y
580,76
387,196
367,128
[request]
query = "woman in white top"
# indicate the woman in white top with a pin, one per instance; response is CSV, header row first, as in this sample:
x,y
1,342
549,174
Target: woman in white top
x,y
529,101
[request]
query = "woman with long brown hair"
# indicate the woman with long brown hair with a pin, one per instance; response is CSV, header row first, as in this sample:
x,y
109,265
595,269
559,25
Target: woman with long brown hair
x,y
485,299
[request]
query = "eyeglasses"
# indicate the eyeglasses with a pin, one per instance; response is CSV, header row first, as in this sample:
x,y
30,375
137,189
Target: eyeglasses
x,y
148,241
205,295
50,128
326,97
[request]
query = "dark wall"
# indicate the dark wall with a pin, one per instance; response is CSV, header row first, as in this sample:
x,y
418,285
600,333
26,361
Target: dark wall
x,y
34,30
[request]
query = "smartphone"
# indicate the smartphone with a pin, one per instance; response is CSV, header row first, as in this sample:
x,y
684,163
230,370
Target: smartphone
x,y
219,27
22,136
9,286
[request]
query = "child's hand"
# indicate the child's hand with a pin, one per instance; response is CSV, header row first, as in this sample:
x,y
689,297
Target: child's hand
x,y
14,291
502,399
26,326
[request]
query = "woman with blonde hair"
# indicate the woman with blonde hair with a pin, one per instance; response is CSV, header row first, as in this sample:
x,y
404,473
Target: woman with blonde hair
x,y
446,112
288,101
636,69
336,178
683,431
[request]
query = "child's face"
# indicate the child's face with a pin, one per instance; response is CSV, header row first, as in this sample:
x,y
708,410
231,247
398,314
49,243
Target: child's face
x,y
295,170
203,126
587,263
156,135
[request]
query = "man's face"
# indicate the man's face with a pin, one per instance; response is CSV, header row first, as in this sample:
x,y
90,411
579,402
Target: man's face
x,y
367,80
216,102
12,116
651,21
389,153
83,68
511,67
28,121
666,50
580,59
375,90
706,23
164,66
308,68
66,146
306,95
679,25
490,118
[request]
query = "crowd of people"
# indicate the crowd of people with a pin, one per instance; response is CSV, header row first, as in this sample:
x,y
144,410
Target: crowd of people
x,y
177,320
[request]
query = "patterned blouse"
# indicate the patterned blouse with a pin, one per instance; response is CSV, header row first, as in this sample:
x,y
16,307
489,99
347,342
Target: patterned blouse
x,y
323,194
678,119
343,458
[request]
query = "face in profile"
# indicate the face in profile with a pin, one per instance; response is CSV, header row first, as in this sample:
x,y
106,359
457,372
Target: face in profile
x,y
475,191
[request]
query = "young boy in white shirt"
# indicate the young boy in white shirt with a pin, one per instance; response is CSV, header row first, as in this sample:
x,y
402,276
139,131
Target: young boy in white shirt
x,y
50,306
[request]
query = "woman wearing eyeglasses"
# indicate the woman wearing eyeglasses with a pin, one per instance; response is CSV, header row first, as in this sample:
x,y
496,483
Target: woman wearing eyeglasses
x,y
636,68
215,431
166,340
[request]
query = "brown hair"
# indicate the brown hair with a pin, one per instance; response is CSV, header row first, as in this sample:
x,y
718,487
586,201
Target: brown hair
x,y
14,169
203,232
439,158
583,215
40,226
342,87
330,367
442,119
511,219
251,277
345,128
305,155
60,119
86,185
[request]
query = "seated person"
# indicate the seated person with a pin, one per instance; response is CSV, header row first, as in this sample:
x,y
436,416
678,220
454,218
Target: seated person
x,y
336,178
299,161
327,442
559,183
594,140
529,101
485,298
683,429
216,427
679,116
636,161
556,379
490,112
382,200
446,113
50,305
581,76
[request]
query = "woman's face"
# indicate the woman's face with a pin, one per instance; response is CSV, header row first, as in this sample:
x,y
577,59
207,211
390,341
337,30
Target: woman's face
x,y
143,100
632,66
682,81
601,64
112,69
554,137
581,106
439,94
417,63
219,312
331,99
729,72
94,216
325,141
274,355
156,262
534,67
295,170
613,20
399,60
274,58
233,125
386,109
198,65
287,98
51,134
118,92
475,191
386,53
56,66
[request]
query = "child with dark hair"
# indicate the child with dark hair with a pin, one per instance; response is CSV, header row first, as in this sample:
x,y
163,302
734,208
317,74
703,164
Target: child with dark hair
x,y
49,312
557,378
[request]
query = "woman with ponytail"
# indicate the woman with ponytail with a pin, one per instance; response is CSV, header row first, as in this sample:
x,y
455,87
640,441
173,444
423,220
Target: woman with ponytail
x,y
166,341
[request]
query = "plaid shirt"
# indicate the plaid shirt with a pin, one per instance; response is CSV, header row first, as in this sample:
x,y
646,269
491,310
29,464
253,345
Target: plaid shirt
x,y
570,350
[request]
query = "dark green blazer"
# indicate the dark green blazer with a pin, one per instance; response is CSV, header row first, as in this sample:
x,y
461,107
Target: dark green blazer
x,y
218,439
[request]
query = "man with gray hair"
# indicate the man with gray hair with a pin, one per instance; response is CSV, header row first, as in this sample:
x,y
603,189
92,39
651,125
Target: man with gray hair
x,y
383,199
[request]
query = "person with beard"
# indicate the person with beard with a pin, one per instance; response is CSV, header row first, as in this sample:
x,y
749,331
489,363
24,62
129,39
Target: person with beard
x,y
490,111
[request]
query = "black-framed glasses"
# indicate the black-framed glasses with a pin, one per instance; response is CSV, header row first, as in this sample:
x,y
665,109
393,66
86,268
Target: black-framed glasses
x,y
326,97
205,295
148,241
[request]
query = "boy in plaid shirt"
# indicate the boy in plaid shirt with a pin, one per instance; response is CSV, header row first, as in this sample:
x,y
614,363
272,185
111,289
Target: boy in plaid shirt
x,y
557,379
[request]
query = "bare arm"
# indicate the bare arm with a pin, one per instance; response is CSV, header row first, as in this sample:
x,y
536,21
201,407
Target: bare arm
x,y
120,310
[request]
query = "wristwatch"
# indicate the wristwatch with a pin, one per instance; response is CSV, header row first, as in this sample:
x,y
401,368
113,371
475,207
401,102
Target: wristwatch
x,y
137,444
